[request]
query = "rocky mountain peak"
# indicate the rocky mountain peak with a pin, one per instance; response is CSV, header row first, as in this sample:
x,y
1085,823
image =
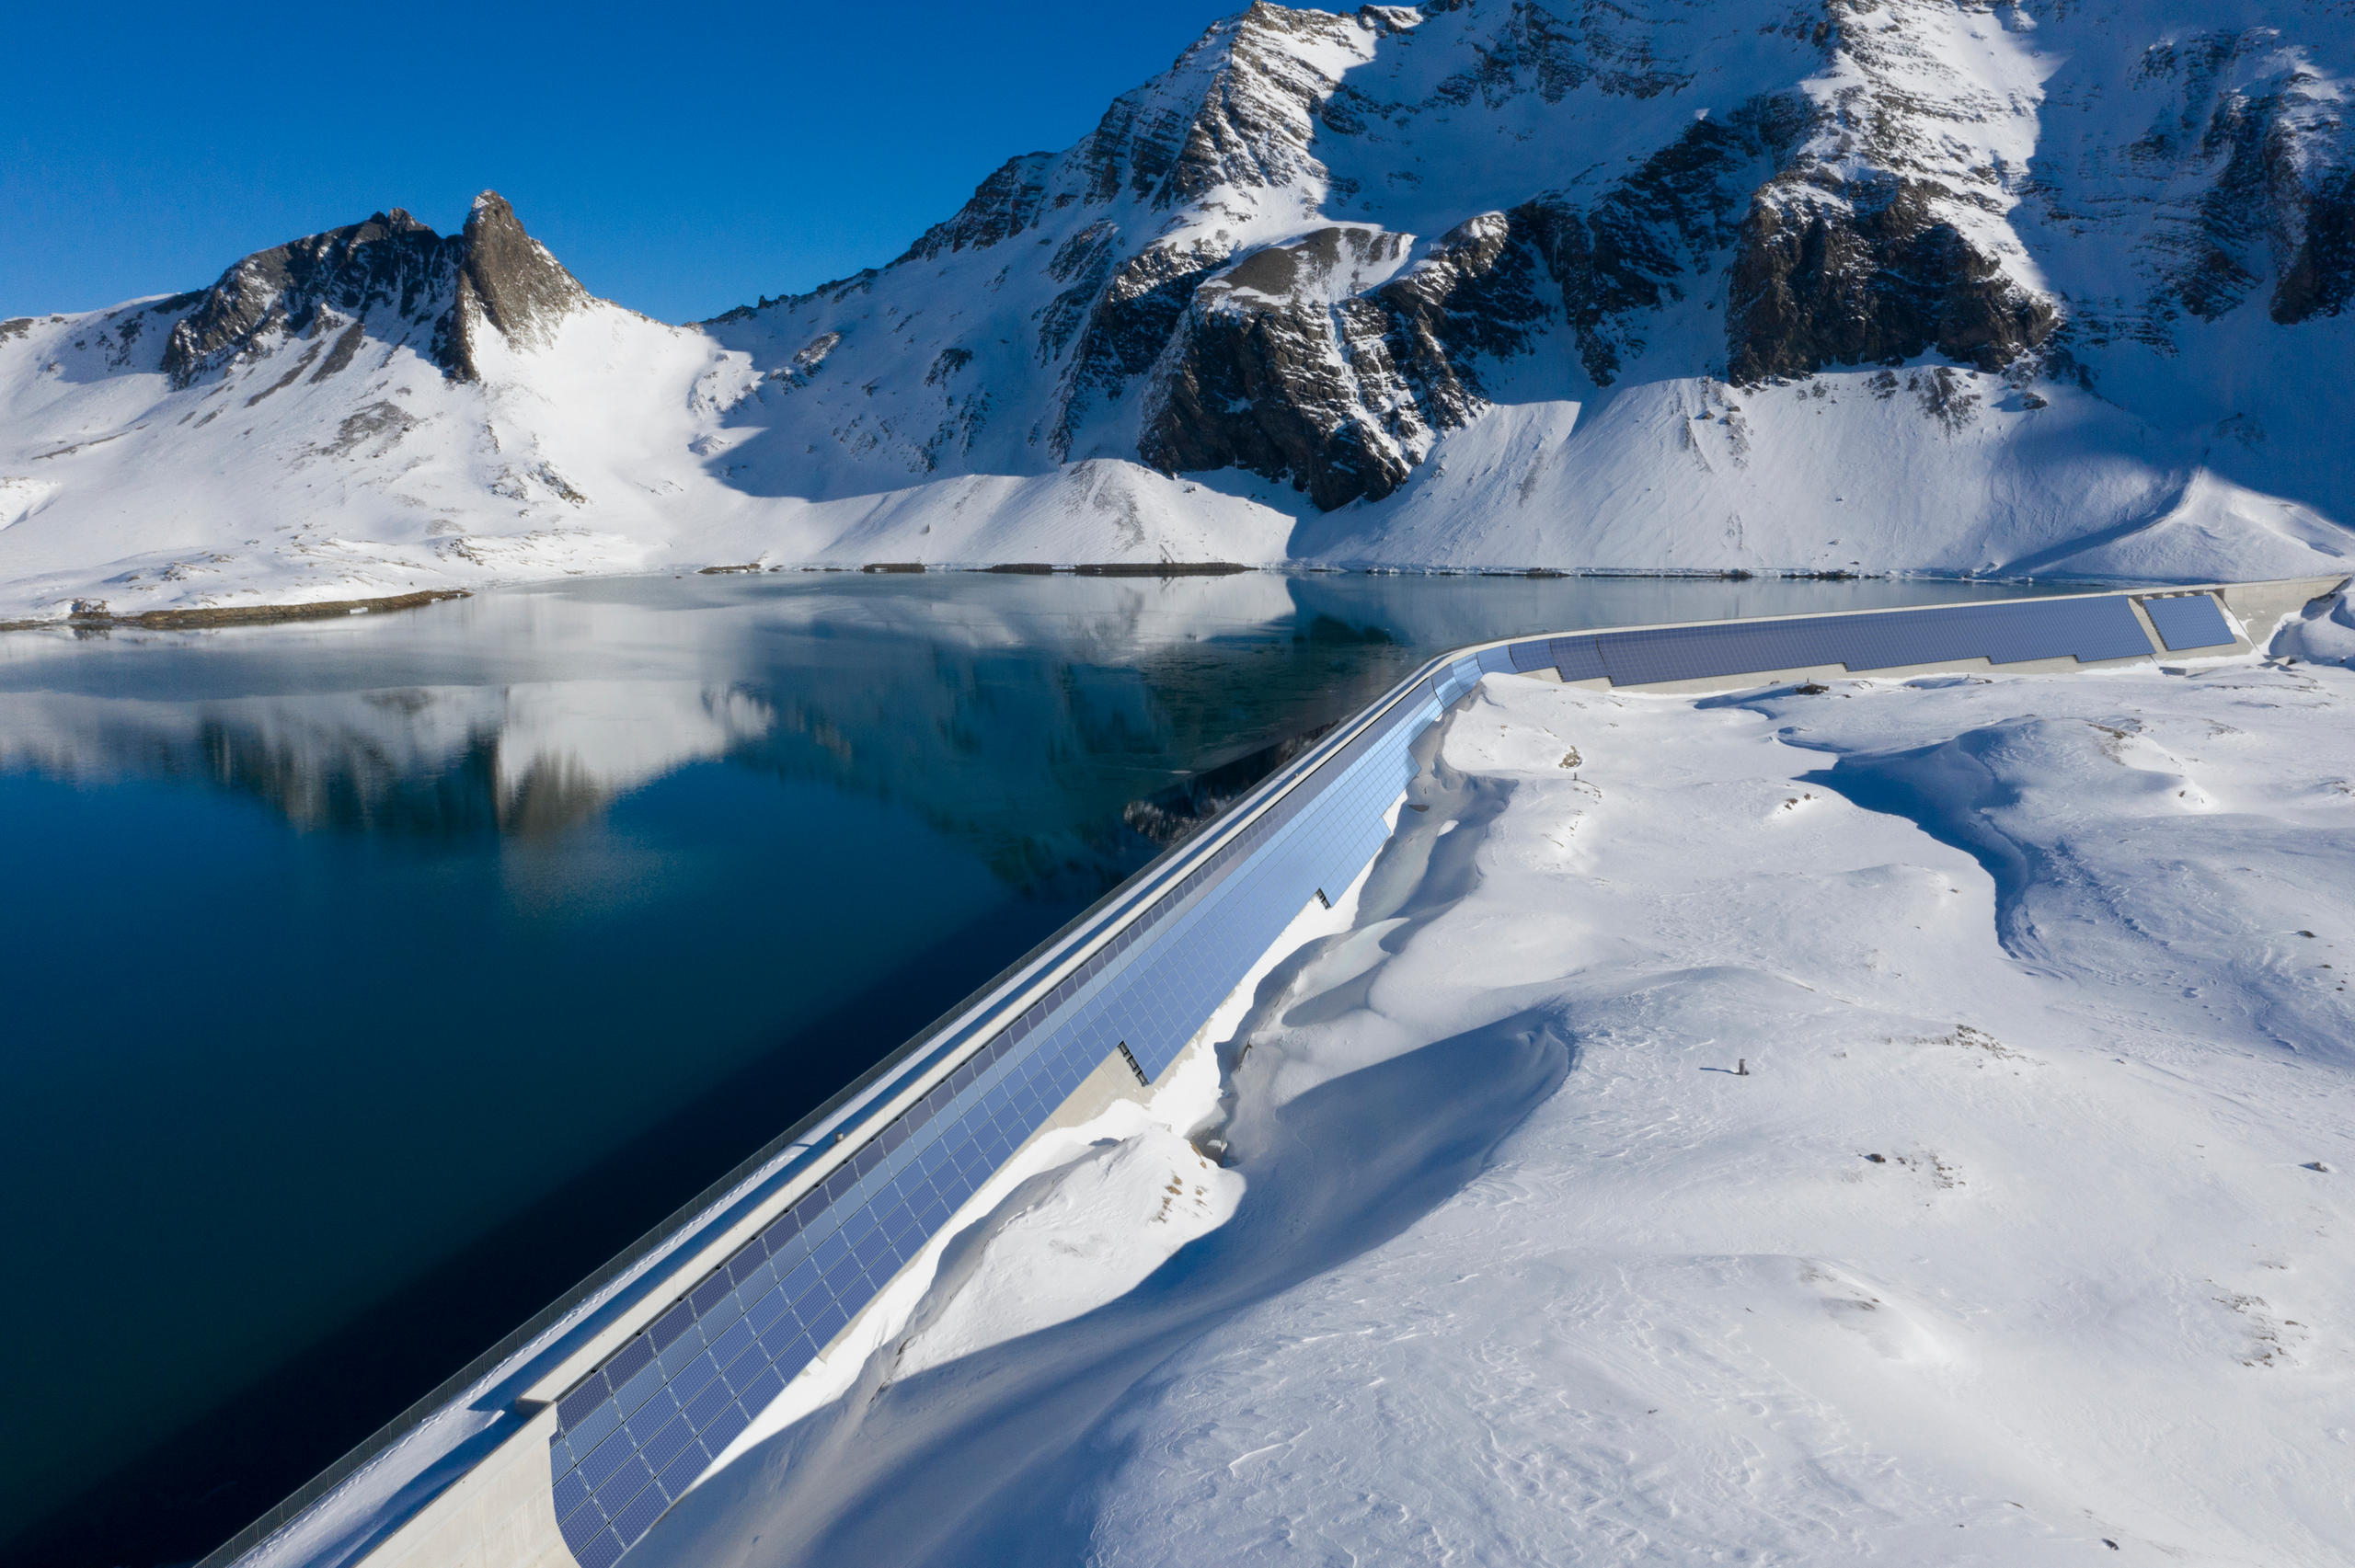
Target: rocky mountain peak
x,y
1010,201
1236,113
508,280
390,264
391,278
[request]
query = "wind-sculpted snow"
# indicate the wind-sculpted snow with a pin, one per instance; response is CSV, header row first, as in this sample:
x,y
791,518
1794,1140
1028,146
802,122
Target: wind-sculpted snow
x,y
2324,632
1298,290
1895,1122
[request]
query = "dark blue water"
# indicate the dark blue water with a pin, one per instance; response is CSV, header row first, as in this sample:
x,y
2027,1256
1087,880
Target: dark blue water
x,y
364,985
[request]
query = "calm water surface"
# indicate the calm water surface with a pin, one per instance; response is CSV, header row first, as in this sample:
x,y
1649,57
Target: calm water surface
x,y
368,983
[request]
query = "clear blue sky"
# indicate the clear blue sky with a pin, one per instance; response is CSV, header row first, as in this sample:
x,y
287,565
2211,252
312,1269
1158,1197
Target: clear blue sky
x,y
681,158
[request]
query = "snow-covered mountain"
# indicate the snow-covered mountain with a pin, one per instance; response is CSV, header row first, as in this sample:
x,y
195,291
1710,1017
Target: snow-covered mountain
x,y
1599,284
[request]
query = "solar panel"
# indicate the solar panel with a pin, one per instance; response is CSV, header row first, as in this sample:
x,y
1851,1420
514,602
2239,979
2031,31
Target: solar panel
x,y
598,1551
2010,632
2189,621
1530,656
1578,659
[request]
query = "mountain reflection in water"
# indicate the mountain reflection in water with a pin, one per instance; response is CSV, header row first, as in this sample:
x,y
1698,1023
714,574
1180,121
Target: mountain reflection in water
x,y
956,698
371,981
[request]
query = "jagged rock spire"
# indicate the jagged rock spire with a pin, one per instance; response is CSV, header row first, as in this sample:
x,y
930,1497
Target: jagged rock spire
x,y
520,289
393,277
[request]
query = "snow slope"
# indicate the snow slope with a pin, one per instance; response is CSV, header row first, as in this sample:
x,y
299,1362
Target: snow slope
x,y
2025,1236
1663,285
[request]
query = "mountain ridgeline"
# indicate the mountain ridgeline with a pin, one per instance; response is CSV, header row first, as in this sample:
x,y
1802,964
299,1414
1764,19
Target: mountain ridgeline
x,y
1603,284
1869,203
323,288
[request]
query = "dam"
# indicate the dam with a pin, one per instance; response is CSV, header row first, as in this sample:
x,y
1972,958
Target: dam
x,y
568,1441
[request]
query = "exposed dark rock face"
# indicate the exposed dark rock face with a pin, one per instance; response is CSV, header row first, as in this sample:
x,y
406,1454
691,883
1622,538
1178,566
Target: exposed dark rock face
x,y
1254,94
1476,295
1283,366
1085,264
374,429
1258,380
1274,367
392,273
1259,360
1535,47
1127,326
2249,171
2216,249
1658,233
2320,278
513,284
391,262
1872,274
1008,202
347,347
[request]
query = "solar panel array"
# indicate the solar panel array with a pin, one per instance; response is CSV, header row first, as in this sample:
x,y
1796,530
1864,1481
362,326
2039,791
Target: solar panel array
x,y
2189,621
2009,632
650,1421
647,1424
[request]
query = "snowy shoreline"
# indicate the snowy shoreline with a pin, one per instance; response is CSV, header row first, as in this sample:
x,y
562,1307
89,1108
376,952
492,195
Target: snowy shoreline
x,y
237,608
240,611
2012,1244
202,618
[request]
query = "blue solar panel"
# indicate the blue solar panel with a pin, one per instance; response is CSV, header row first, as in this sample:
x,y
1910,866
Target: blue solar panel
x,y
669,1443
1578,659
681,1472
2012,631
726,1428
670,1326
575,1405
639,1389
600,1551
638,1517
1530,656
604,1464
595,1427
2187,621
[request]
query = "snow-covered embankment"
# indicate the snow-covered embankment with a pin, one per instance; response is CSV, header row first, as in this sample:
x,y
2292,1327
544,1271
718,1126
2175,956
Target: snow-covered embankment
x,y
2010,1244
